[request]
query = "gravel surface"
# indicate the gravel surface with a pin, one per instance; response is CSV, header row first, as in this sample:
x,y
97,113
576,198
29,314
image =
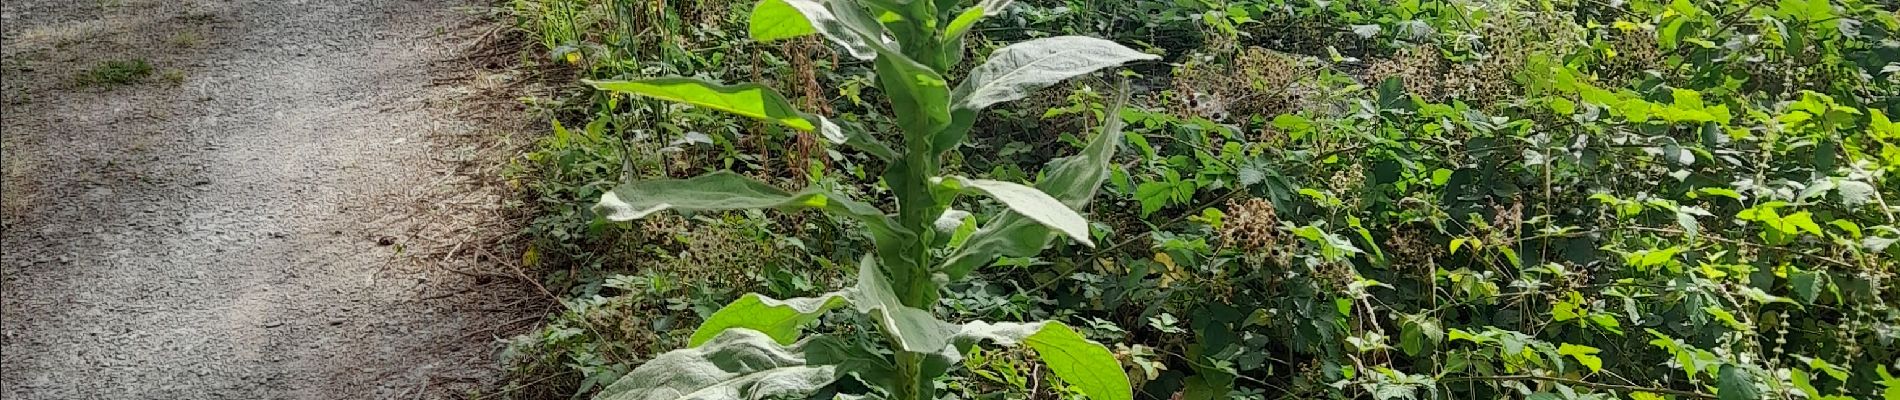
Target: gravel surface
x,y
234,224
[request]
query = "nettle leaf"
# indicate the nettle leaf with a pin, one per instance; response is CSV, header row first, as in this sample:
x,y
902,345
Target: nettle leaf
x,y
1855,193
749,100
779,319
1033,204
1333,247
1734,383
773,20
739,364
1073,180
1090,367
1807,284
1014,71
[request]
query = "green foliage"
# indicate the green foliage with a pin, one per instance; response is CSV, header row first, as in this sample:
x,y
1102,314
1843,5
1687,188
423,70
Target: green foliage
x,y
1400,199
115,72
897,287
743,364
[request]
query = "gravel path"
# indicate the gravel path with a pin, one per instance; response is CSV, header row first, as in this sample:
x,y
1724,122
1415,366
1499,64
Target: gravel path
x,y
232,226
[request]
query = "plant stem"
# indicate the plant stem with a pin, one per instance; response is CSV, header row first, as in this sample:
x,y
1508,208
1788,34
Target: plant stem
x,y
913,385
1583,383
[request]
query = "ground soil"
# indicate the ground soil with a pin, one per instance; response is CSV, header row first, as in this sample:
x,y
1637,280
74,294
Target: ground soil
x,y
292,205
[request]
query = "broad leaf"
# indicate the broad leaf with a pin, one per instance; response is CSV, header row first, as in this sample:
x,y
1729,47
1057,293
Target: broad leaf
x,y
724,190
785,19
748,100
914,330
721,190
1072,180
1016,70
962,23
1087,365
857,137
918,95
1585,355
1734,383
779,319
1035,205
743,364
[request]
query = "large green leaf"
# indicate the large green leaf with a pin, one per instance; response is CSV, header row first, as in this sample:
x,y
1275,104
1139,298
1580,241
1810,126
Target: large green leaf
x,y
1033,204
857,137
779,319
743,364
785,19
914,330
1016,70
748,100
1073,180
1087,365
725,190
721,190
969,17
919,96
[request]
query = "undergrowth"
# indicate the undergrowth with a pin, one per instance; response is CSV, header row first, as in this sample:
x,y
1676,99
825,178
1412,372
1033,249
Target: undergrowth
x,y
115,73
1342,199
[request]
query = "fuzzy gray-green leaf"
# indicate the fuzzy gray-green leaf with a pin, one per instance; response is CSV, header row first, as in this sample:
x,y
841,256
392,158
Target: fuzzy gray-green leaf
x,y
912,329
722,190
1015,70
1032,203
725,190
749,100
785,19
738,364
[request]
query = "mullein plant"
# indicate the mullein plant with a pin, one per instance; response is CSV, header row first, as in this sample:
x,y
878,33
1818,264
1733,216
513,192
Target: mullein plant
x,y
755,347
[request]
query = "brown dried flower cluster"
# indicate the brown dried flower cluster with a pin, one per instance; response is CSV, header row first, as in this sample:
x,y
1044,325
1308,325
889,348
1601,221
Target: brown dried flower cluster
x,y
1258,82
1251,225
1508,42
1422,69
1633,53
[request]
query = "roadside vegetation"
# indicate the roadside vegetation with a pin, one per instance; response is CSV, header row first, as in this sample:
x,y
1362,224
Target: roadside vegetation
x,y
115,73
1200,199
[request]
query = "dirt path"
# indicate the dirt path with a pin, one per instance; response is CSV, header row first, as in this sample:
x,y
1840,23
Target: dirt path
x,y
234,225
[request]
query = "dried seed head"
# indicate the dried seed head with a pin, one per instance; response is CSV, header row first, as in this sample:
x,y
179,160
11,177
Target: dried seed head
x,y
1251,225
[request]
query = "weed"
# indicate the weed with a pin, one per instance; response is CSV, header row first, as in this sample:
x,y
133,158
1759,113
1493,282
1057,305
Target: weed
x,y
901,280
187,39
116,72
173,76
